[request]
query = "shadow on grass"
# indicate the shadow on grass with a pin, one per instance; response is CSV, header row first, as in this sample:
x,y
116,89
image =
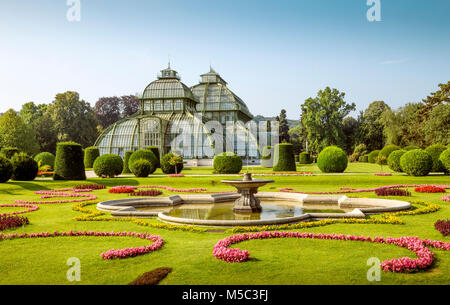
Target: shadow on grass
x,y
30,186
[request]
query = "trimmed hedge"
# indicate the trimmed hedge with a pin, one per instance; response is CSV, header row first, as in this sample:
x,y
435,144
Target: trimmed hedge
x,y
283,158
364,158
435,151
445,159
108,165
387,150
332,160
167,168
305,158
142,168
6,169
126,168
9,151
372,155
24,167
146,155
227,164
90,154
394,160
69,163
155,150
416,162
45,158
410,147
267,156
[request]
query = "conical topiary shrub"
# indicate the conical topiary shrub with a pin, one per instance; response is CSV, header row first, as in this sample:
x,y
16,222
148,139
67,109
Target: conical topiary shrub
x,y
90,154
283,158
69,163
155,151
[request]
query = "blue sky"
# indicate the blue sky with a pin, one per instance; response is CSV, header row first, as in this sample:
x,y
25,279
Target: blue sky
x,y
274,54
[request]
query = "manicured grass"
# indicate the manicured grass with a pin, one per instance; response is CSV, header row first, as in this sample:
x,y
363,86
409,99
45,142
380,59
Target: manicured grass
x,y
276,261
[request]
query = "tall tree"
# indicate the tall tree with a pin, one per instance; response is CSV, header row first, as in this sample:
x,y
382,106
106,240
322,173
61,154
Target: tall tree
x,y
129,105
350,128
372,127
437,128
322,117
14,132
73,119
283,127
107,110
441,96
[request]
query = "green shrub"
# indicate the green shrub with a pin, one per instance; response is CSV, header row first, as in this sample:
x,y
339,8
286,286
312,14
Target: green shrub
x,y
387,150
24,167
267,157
394,160
69,163
332,160
416,162
227,164
146,155
108,165
283,158
360,149
9,151
6,169
305,158
90,154
410,147
169,168
126,168
364,158
445,159
373,155
155,150
45,158
435,151
142,168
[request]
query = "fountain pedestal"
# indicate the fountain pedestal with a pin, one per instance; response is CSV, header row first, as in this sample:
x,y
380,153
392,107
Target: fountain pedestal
x,y
247,187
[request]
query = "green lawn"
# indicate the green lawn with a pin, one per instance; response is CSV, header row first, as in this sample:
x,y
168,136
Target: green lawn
x,y
276,261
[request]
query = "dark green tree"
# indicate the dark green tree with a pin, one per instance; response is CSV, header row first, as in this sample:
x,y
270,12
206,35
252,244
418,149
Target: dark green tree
x,y
372,127
283,127
15,133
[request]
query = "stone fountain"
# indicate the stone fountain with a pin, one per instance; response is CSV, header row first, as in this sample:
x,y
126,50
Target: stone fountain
x,y
247,187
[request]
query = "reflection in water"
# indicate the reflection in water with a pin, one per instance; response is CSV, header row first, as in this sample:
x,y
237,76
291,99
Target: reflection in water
x,y
224,211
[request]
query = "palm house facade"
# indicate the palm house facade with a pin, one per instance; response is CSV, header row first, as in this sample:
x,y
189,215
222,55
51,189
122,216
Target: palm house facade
x,y
196,122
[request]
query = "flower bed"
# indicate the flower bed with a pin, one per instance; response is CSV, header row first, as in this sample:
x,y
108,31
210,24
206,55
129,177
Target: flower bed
x,y
403,264
90,186
443,226
392,192
31,208
429,189
9,221
176,175
121,190
446,198
59,193
282,174
146,193
383,174
110,254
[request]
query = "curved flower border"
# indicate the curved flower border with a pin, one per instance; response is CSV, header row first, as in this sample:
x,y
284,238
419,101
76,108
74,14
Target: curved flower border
x,y
403,264
31,208
446,198
61,193
110,254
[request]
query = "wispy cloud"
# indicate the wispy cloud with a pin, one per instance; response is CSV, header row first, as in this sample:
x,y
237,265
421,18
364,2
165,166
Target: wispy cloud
x,y
394,61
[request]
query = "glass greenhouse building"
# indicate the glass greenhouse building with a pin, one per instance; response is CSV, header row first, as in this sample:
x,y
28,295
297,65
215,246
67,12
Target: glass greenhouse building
x,y
196,122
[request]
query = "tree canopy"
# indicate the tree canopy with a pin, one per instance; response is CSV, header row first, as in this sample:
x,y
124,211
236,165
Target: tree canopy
x,y
14,132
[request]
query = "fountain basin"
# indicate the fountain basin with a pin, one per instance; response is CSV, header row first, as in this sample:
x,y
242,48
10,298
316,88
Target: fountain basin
x,y
161,207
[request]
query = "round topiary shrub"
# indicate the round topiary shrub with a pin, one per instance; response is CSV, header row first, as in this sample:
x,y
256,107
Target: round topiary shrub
x,y
435,151
305,158
142,168
394,160
227,164
9,151
146,155
283,158
410,147
126,168
69,163
6,169
108,165
155,150
416,162
24,167
169,161
445,159
332,160
90,154
45,158
267,157
372,155
387,150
